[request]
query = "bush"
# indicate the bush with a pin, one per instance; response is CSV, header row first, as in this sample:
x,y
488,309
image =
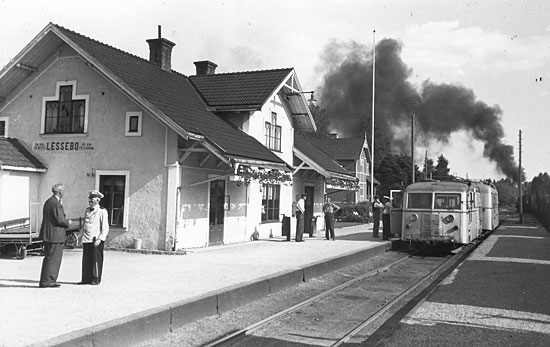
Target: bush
x,y
356,213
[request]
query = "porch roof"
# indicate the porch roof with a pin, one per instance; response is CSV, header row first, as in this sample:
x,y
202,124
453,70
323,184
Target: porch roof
x,y
15,155
319,161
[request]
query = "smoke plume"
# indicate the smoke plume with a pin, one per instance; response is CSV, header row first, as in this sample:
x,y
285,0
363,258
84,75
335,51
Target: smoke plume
x,y
440,109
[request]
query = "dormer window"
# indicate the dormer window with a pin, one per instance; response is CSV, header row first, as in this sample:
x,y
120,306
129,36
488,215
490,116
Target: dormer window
x,y
66,112
273,134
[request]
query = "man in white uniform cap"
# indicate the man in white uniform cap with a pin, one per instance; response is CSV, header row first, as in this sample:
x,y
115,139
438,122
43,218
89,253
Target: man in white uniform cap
x,y
94,232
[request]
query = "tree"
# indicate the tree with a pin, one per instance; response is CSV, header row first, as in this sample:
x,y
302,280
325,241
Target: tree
x,y
322,121
441,170
538,193
394,172
507,192
428,168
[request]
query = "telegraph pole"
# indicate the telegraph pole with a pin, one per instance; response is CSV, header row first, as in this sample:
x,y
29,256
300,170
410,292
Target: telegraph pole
x,y
520,184
372,118
413,107
426,166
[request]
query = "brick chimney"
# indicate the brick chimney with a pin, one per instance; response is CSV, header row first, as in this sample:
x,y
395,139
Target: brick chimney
x,y
160,52
205,67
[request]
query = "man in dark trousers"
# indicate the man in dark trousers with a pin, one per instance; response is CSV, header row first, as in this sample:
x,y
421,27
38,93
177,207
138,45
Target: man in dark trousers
x,y
329,209
376,209
300,209
94,234
386,218
52,232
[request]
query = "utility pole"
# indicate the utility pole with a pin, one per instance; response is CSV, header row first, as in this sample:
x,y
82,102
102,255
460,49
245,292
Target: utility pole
x,y
413,107
426,166
372,117
520,184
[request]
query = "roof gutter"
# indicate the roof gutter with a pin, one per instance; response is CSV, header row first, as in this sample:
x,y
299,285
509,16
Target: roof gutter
x,y
240,108
20,168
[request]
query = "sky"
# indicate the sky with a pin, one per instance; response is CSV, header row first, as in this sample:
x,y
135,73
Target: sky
x,y
498,49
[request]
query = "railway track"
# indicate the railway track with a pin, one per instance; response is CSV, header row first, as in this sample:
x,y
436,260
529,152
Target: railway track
x,y
352,311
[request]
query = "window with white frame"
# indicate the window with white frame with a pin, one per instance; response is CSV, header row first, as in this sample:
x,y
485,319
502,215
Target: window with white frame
x,y
133,123
66,112
4,126
271,196
273,133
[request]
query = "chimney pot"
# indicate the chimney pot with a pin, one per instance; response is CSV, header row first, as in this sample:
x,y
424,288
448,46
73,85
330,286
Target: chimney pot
x,y
160,51
205,67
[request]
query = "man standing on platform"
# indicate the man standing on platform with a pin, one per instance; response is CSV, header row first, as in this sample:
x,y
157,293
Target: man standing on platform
x,y
386,217
376,209
300,209
329,209
94,234
52,233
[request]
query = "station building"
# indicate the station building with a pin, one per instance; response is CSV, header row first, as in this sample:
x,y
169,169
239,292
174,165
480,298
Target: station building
x,y
183,161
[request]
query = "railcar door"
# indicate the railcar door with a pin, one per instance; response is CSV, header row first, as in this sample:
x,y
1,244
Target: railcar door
x,y
396,219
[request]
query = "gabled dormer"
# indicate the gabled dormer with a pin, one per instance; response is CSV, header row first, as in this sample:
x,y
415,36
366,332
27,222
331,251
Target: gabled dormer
x,y
268,105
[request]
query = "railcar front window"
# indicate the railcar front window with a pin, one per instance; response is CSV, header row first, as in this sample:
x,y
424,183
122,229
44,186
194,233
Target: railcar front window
x,y
420,200
447,201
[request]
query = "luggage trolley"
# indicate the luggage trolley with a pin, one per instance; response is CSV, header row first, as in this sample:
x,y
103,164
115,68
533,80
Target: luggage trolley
x,y
23,233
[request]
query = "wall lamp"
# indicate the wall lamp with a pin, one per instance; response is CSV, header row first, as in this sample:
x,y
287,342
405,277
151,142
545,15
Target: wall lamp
x,y
311,99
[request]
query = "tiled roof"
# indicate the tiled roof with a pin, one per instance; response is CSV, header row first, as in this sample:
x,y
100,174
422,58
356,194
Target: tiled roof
x,y
174,96
15,154
249,89
341,149
318,156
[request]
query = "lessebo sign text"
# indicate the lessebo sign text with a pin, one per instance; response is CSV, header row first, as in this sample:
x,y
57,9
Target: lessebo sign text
x,y
63,146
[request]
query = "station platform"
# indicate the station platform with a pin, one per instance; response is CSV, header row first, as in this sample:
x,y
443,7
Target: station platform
x,y
497,297
145,295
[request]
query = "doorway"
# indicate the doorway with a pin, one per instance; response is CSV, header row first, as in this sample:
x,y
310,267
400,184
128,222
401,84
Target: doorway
x,y
308,214
113,188
216,212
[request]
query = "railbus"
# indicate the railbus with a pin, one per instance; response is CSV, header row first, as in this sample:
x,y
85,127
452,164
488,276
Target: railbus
x,y
441,213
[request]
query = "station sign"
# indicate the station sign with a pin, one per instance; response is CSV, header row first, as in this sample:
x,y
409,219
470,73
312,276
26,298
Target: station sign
x,y
64,146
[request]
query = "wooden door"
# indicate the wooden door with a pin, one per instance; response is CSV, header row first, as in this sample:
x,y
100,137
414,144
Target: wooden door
x,y
308,214
216,212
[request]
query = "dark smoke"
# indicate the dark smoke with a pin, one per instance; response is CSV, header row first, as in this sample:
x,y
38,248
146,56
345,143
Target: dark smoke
x,y
441,109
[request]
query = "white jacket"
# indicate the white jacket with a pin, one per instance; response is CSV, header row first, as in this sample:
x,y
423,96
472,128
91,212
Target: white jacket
x,y
96,224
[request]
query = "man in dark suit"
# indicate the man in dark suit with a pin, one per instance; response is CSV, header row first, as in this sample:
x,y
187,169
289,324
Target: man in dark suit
x,y
52,232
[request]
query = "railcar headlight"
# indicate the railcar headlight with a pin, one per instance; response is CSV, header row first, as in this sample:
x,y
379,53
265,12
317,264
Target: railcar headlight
x,y
449,219
413,217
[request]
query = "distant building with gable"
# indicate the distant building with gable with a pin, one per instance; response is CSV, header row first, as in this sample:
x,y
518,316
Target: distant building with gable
x,y
354,155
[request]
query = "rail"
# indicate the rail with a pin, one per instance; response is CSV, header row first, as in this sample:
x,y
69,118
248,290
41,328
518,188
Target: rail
x,y
427,282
